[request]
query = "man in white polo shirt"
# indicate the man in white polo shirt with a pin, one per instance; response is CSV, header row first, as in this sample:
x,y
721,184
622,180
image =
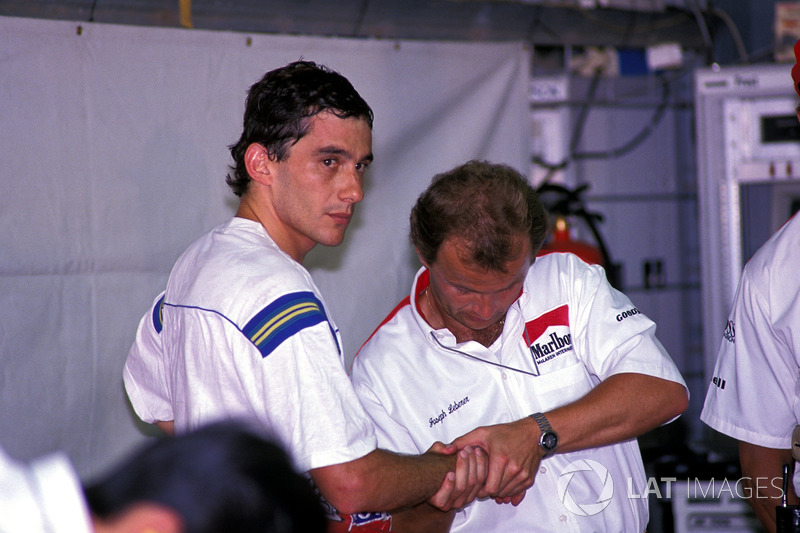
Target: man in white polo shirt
x,y
754,394
558,371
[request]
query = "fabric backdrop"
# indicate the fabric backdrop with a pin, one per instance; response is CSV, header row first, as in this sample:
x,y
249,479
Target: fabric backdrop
x,y
113,154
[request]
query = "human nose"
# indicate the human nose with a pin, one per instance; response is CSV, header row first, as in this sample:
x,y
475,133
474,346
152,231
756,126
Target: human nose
x,y
352,190
485,306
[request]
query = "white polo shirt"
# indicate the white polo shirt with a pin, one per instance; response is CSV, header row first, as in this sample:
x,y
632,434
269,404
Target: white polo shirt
x,y
754,395
420,386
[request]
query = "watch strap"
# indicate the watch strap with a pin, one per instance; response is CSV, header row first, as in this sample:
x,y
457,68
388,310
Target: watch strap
x,y
544,424
547,434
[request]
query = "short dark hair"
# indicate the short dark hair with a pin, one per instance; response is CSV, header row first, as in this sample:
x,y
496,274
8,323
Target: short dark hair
x,y
223,477
278,107
486,206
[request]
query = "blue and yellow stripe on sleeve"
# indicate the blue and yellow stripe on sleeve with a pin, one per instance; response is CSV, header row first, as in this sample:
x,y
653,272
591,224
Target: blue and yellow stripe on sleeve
x,y
158,314
283,318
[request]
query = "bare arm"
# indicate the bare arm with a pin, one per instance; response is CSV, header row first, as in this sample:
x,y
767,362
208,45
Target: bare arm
x,y
621,407
167,427
760,468
385,481
423,518
464,484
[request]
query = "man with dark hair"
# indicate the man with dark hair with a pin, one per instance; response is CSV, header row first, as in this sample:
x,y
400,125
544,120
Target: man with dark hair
x,y
243,331
560,370
220,478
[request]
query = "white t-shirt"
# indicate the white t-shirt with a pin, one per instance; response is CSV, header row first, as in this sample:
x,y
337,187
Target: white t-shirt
x,y
754,395
420,386
246,335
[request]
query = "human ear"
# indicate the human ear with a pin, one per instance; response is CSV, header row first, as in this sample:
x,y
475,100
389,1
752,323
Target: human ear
x,y
421,260
257,163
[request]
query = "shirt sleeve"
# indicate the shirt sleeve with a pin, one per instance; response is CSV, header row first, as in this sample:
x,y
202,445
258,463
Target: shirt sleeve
x,y
144,373
324,420
282,372
391,434
614,336
762,413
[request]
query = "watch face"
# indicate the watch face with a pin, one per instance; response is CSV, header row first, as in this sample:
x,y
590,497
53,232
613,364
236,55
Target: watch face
x,y
549,441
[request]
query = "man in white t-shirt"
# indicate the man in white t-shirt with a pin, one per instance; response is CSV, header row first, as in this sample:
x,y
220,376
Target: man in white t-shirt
x,y
558,371
754,394
242,330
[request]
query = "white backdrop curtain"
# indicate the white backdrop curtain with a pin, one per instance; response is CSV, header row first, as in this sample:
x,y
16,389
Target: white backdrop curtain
x,y
113,154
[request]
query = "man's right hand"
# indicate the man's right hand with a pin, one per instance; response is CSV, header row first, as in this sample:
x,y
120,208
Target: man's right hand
x,y
514,458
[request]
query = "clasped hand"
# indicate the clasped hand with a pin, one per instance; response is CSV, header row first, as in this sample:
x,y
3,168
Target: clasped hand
x,y
497,462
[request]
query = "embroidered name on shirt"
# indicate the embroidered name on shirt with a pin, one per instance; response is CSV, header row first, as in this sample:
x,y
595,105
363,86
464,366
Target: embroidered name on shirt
x,y
452,408
439,418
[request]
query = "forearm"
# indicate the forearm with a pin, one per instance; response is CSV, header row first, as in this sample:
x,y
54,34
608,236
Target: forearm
x,y
382,481
762,470
622,407
422,518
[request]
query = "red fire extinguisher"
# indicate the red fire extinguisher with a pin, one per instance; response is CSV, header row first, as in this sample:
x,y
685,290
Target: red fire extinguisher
x,y
562,241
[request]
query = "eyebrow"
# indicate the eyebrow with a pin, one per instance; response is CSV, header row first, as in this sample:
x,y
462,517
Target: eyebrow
x,y
462,287
334,150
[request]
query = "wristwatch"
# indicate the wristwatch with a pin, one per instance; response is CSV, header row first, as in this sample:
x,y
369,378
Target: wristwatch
x,y
548,440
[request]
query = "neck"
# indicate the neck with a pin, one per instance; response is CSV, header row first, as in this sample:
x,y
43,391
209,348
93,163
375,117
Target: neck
x,y
484,337
247,211
438,320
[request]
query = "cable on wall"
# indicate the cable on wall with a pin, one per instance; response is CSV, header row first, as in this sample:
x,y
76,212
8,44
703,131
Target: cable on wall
x,y
735,35
362,13
637,139
627,147
704,31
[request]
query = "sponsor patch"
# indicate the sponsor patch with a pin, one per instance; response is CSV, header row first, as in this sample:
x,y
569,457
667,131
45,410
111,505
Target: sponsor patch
x,y
361,522
548,335
630,312
730,332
